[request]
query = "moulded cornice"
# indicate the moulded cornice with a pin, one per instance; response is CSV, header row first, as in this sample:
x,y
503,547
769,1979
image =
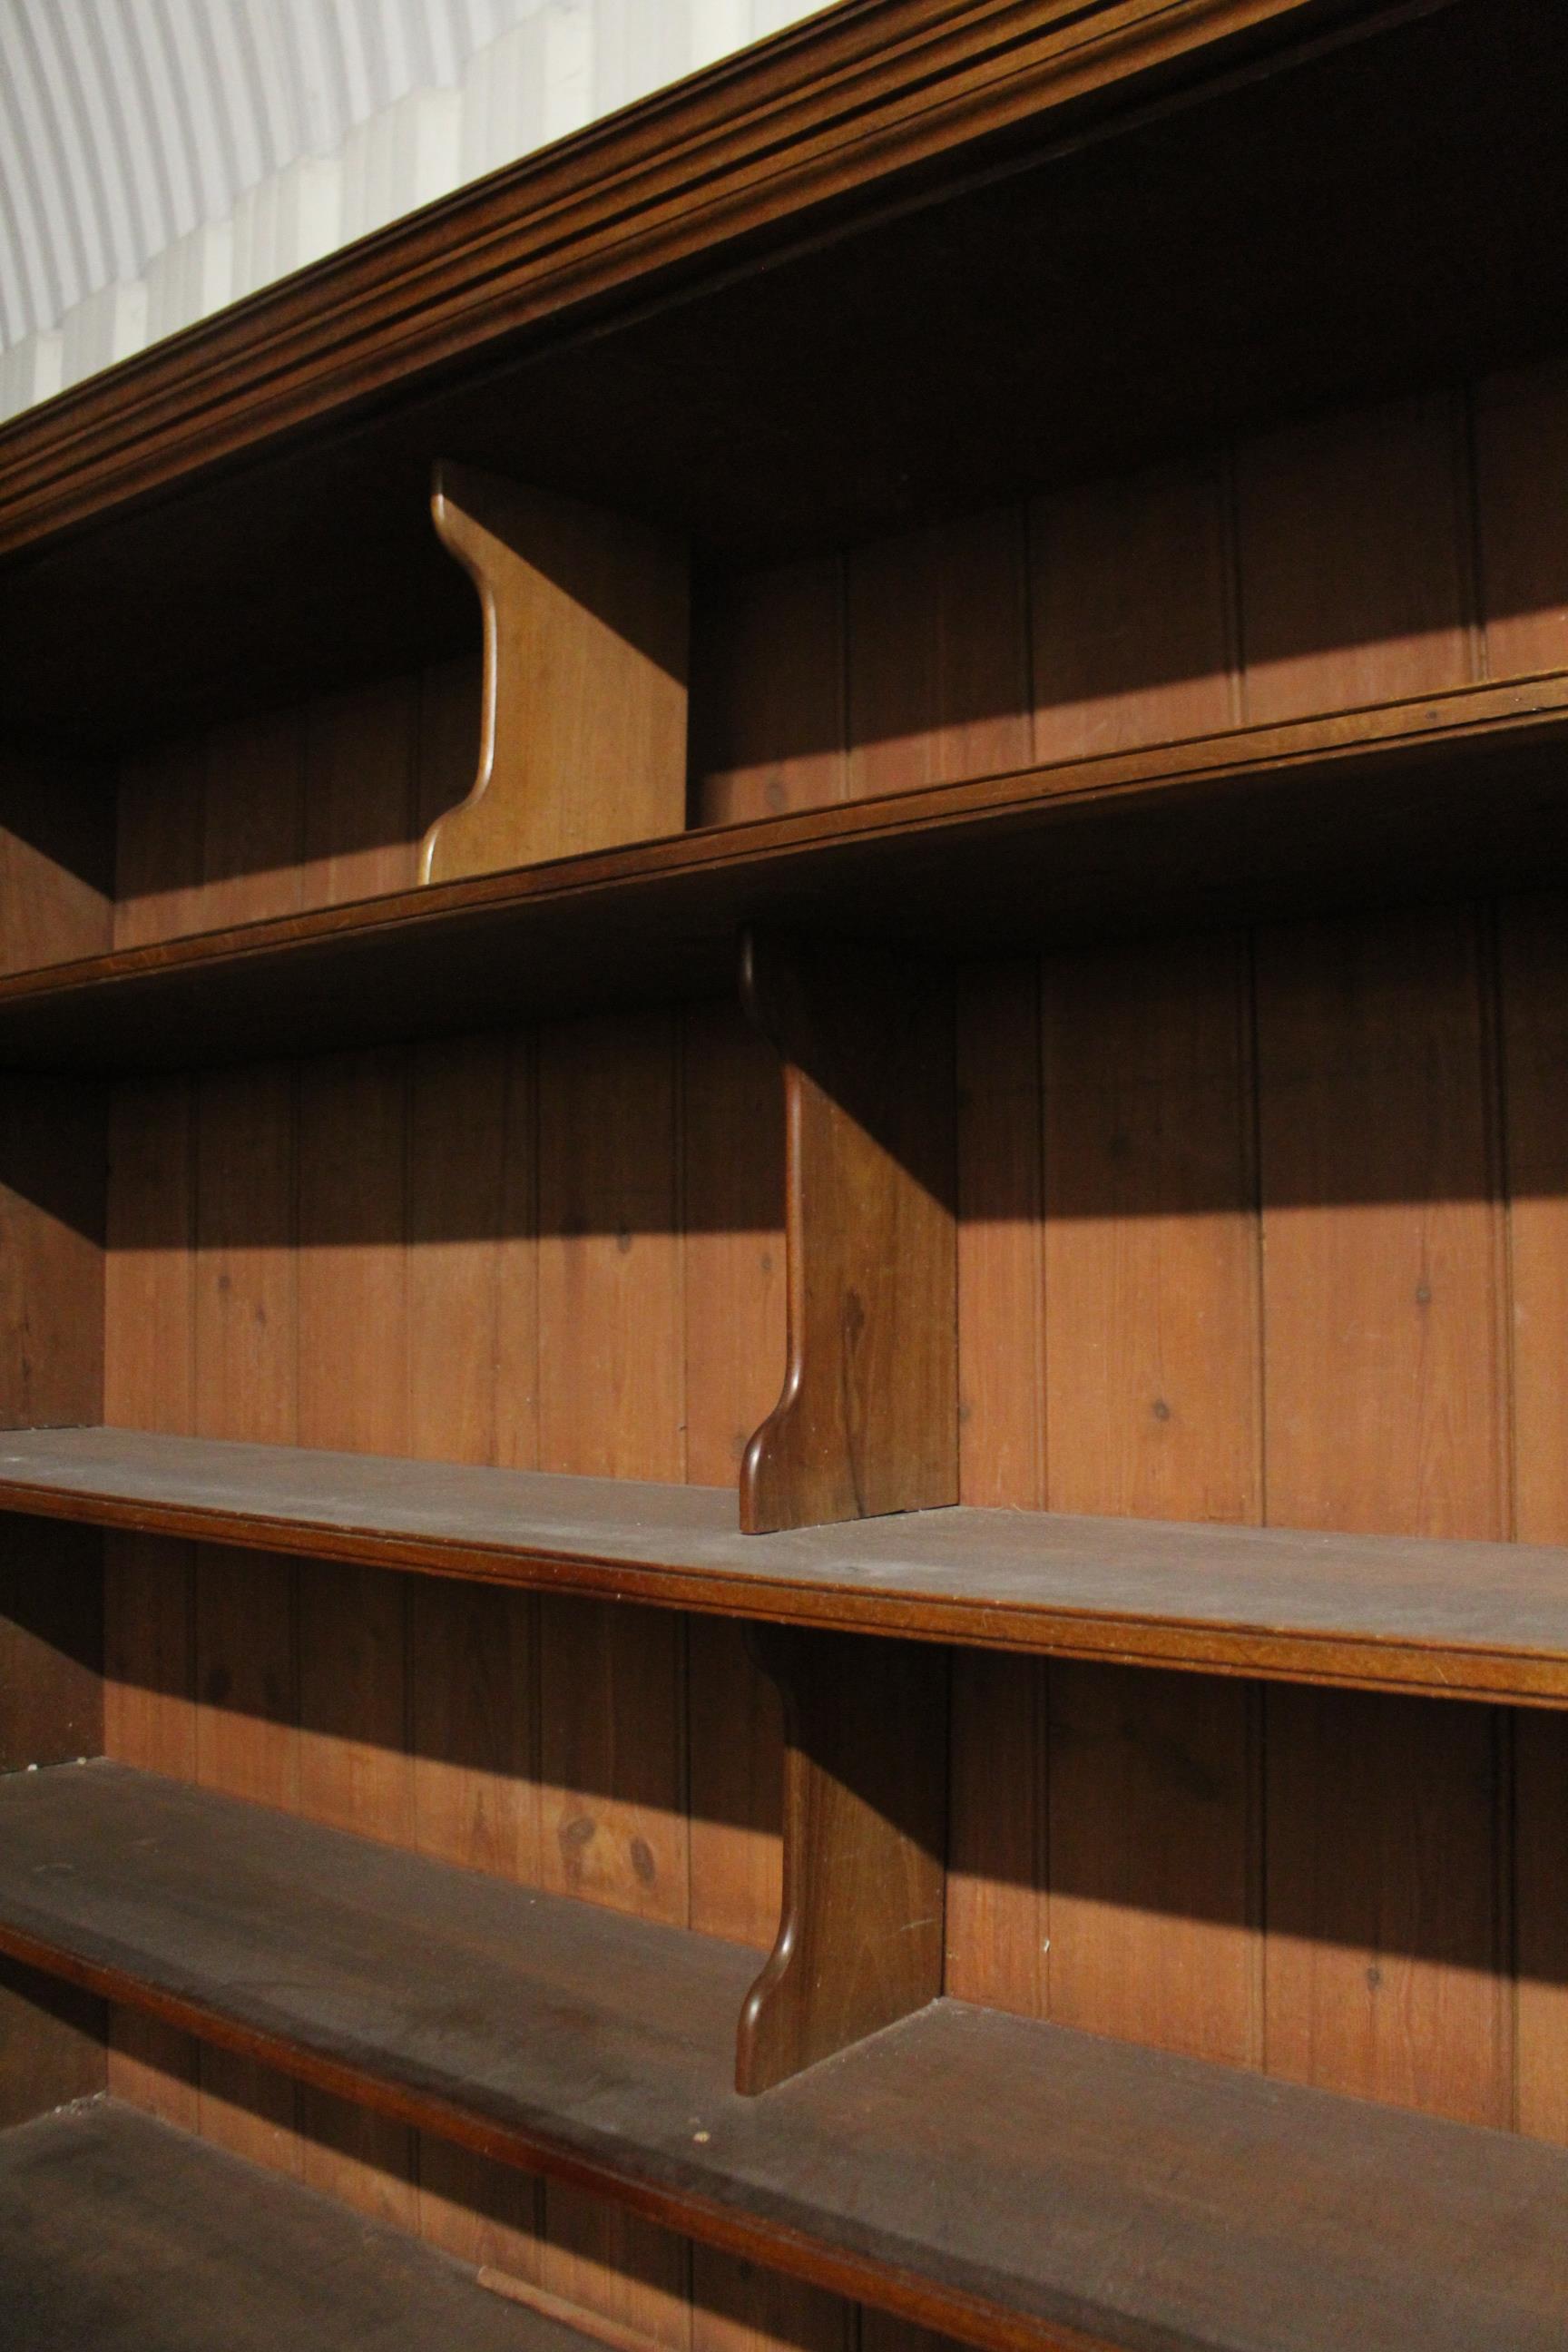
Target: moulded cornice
x,y
756,149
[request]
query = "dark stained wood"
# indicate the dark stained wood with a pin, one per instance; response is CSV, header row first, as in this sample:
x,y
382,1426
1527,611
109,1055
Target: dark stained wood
x,y
867,1422
149,1630
1380,1612
1351,549
51,2046
1461,786
1132,611
120,2232
1152,1830
768,696
746,157
1015,2184
865,1821
937,662
56,863
1534,977
583,732
53,1161
1385,1371
52,1167
51,1646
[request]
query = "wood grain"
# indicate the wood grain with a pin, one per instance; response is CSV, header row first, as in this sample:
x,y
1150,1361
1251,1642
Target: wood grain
x,y
1150,1262
1520,465
613,1769
558,232
1385,1402
118,2231
861,1931
51,2045
769,694
361,793
1445,791
868,1419
938,658
1353,560
355,1766
52,1235
1153,1406
582,731
159,841
732,1286
149,1593
1533,982
1445,1617
57,861
1003,2180
253,821
997,1906
1133,613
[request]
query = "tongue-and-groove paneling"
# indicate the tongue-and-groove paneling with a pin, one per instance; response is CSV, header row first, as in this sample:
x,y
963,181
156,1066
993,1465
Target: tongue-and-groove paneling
x,y
1261,1225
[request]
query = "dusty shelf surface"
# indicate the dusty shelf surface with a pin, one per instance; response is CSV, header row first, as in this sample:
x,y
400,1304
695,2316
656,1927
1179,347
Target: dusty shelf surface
x,y
1010,2182
1476,1619
119,2234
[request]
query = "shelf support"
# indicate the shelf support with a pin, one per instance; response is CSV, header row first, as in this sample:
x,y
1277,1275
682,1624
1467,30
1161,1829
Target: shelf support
x,y
865,1811
583,732
868,1419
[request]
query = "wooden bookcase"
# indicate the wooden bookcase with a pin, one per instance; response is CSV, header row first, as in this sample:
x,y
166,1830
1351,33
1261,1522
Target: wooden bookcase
x,y
783,1401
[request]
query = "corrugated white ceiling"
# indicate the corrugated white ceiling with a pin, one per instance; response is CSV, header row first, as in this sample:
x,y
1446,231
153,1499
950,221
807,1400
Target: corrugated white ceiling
x,y
161,157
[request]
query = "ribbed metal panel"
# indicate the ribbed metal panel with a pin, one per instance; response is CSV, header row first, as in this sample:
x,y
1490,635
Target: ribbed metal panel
x,y
125,125
160,158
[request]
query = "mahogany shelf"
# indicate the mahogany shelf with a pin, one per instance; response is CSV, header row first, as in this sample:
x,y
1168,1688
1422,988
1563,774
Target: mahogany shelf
x,y
1479,1620
1453,785
1015,2184
121,2234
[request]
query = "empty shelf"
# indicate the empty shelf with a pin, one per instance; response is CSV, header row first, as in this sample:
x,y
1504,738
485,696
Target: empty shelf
x,y
1467,1620
1450,787
118,2234
1012,2183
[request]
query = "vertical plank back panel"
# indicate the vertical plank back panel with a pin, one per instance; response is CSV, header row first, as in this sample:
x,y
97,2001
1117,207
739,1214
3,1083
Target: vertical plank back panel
x,y
1521,479
1534,972
474,1696
997,1913
1386,1400
57,861
1144,1280
248,1742
938,656
1152,1409
253,821
613,1797
158,843
361,793
1354,561
768,708
149,1597
581,1235
355,1768
1131,606
733,1160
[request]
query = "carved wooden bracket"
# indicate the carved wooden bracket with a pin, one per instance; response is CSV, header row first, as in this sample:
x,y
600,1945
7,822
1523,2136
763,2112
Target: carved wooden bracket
x,y
868,1420
582,738
865,1809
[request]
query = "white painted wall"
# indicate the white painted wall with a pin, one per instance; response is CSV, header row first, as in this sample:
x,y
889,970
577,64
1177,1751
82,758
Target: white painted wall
x,y
160,158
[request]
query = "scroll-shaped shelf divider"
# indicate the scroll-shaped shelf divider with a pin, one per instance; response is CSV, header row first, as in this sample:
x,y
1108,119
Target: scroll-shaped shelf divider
x,y
582,735
868,1420
860,1936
